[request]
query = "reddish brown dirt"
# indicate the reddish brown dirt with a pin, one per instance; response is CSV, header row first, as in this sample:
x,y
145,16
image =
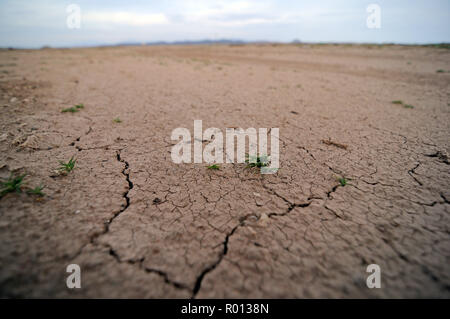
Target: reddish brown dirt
x,y
141,226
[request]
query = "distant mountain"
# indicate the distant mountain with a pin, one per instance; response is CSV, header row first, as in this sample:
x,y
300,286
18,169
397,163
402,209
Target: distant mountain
x,y
185,42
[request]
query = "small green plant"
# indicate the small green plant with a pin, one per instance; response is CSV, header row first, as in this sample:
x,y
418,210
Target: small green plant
x,y
214,167
117,120
36,191
67,167
257,161
72,109
440,71
13,184
406,106
343,181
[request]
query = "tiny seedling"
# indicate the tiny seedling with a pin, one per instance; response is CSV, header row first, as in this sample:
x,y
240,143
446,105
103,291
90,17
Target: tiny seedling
x,y
214,167
13,184
72,109
257,161
36,191
117,120
67,167
406,106
440,71
343,181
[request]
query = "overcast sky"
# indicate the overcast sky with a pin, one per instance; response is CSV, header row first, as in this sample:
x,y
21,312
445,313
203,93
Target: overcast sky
x,y
35,23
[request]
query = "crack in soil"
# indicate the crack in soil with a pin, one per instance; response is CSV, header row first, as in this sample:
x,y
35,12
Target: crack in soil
x,y
116,214
332,191
140,262
130,185
198,282
413,171
223,253
213,266
112,252
291,207
441,156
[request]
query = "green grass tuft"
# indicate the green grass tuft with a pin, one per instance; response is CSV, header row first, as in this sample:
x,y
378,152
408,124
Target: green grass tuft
x,y
214,167
117,120
36,191
343,181
13,184
72,109
67,167
406,106
257,161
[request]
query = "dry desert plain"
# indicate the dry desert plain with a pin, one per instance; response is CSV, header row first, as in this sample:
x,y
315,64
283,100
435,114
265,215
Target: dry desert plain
x,y
362,181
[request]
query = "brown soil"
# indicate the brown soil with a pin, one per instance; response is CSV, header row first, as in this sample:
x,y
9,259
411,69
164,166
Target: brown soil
x,y
141,226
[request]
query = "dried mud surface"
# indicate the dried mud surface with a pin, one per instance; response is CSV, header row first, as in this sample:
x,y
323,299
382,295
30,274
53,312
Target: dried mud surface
x,y
141,226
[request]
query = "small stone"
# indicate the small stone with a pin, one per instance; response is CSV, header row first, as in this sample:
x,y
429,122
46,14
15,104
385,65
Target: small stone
x,y
77,212
12,100
263,220
56,173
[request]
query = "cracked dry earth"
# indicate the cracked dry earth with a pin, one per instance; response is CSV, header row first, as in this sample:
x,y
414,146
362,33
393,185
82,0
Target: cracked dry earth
x,y
141,226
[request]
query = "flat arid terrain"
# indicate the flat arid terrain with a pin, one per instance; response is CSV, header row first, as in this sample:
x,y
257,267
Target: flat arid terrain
x,y
364,172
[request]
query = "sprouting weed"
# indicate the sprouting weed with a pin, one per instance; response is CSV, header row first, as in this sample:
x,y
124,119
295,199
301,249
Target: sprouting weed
x,y
257,161
13,184
36,191
67,167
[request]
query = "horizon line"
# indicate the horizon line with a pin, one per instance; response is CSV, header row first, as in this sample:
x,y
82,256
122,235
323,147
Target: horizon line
x,y
225,41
